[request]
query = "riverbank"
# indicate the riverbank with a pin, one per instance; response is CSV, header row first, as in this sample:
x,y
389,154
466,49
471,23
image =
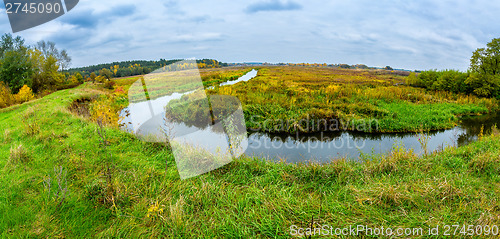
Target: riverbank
x,y
60,179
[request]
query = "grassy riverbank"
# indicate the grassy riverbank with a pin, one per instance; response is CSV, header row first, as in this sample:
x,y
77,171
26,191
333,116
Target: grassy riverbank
x,y
61,179
282,98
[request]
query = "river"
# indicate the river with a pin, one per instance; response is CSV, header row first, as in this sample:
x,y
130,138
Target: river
x,y
324,146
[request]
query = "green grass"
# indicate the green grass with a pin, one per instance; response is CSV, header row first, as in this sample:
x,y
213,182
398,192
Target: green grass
x,y
247,198
406,116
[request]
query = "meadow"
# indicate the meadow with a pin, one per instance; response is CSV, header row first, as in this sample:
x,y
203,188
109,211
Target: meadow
x,y
68,174
119,186
352,97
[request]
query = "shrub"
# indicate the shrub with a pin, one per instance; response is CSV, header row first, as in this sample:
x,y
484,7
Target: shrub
x,y
109,84
25,94
6,98
101,79
447,80
105,110
484,85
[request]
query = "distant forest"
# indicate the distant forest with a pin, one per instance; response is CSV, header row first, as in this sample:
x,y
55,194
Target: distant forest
x,y
139,67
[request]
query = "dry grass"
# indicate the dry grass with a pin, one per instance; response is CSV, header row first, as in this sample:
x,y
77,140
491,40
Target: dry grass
x,y
31,122
7,133
177,213
18,154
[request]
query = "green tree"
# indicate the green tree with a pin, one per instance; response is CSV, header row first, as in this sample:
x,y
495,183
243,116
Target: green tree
x,y
485,70
487,60
484,84
106,73
15,64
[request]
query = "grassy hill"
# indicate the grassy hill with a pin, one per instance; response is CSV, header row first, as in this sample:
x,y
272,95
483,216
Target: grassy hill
x,y
62,176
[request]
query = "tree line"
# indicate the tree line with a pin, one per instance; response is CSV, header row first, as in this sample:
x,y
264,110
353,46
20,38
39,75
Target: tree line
x,y
28,70
138,67
37,67
481,79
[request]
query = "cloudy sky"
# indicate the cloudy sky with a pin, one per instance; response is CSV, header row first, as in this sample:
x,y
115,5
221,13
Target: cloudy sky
x,y
425,34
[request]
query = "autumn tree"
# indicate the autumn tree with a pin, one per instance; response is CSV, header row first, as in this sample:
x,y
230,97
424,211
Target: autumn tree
x,y
106,73
101,79
46,73
78,76
49,49
92,76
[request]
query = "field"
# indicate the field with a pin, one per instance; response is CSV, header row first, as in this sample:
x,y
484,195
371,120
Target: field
x,y
66,175
284,99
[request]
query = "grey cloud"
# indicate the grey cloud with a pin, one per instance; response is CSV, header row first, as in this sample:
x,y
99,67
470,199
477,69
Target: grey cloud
x,y
89,19
403,34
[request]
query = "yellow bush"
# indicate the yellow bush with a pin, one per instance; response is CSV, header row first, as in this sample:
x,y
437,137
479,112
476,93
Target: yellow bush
x,y
104,111
25,94
5,96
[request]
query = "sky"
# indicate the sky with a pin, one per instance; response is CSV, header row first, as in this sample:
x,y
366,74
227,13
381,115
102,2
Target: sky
x,y
413,35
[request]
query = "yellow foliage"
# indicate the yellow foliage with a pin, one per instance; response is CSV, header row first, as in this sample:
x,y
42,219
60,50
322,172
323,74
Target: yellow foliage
x,y
226,90
5,96
155,210
100,79
102,110
25,94
331,89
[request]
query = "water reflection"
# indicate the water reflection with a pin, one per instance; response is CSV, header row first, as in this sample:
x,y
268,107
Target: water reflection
x,y
324,146
248,76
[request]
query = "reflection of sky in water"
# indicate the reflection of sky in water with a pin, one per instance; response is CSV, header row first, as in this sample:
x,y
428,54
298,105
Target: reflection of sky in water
x,y
323,147
143,111
319,147
147,119
246,77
